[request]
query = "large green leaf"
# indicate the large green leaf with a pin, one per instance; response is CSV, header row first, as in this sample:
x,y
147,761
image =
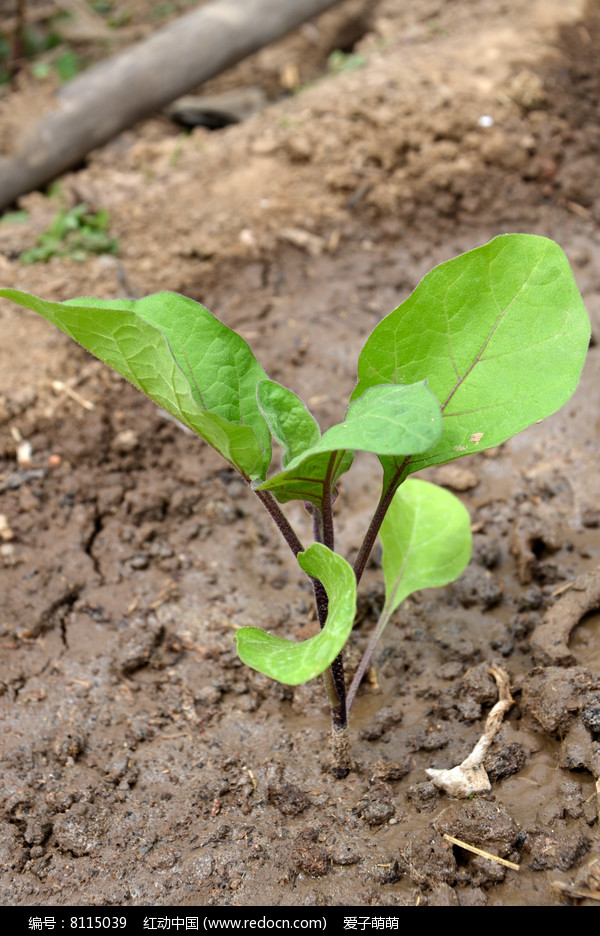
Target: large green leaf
x,y
426,540
389,419
181,356
501,335
294,663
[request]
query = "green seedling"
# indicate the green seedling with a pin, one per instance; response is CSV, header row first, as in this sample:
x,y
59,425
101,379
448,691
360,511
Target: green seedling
x,y
75,233
339,62
486,345
14,217
68,65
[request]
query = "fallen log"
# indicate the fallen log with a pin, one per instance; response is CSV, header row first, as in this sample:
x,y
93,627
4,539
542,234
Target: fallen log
x,y
135,83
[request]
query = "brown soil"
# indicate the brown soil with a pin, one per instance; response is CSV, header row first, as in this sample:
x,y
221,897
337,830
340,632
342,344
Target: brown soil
x,y
142,763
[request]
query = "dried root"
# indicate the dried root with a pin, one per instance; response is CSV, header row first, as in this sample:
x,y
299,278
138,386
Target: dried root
x,y
470,776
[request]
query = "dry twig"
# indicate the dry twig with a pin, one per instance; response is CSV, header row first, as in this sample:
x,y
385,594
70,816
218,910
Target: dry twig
x,y
470,776
481,852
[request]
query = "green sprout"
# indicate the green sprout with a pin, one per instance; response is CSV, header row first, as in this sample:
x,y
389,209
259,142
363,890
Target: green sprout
x,y
486,345
75,233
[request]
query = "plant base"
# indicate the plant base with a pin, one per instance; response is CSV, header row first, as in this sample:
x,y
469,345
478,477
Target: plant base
x,y
341,761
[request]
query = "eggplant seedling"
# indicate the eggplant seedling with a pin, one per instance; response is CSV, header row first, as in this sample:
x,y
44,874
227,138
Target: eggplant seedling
x,y
486,345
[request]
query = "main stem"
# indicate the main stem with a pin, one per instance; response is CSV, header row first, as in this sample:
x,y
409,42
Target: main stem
x,y
283,524
335,683
289,534
334,677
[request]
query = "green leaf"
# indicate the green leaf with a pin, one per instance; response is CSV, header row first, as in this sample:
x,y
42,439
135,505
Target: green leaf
x,y
501,335
294,663
182,357
306,481
290,422
14,217
390,419
68,65
426,539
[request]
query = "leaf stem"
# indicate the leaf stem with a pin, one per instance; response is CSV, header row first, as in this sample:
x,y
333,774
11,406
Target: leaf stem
x,y
317,517
283,524
327,505
366,657
359,567
334,677
375,525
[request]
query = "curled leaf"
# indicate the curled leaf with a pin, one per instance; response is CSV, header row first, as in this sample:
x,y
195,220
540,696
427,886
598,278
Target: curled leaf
x,y
294,663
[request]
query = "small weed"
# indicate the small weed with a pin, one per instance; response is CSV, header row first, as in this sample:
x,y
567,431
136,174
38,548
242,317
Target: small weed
x,y
339,62
102,6
68,65
437,29
14,217
75,233
178,149
163,10
41,70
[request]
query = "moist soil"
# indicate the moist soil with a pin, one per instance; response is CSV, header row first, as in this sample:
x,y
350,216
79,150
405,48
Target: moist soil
x,y
142,763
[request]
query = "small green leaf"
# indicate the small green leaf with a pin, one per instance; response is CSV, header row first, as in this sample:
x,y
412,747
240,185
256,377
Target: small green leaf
x,y
294,663
290,422
426,539
501,335
181,356
387,420
41,70
306,481
14,217
68,65
398,420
